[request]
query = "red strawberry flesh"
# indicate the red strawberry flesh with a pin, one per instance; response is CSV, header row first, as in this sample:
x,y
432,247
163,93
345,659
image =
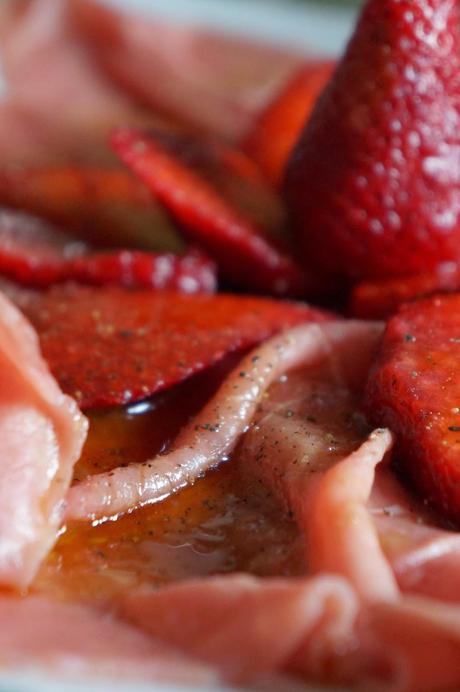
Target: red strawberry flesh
x,y
373,185
379,299
36,254
246,256
277,129
414,389
33,252
108,346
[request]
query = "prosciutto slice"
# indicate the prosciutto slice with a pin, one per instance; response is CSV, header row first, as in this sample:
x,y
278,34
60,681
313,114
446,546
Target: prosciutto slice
x,y
310,443
215,83
425,556
421,641
287,625
53,103
317,629
41,436
347,504
77,642
213,434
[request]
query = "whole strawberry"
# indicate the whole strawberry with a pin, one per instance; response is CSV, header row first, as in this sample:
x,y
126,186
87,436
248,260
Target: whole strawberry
x,y
373,186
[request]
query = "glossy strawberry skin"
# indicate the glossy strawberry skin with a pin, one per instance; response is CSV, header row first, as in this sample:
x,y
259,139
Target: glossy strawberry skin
x,y
278,127
107,346
414,389
246,255
36,254
381,298
373,185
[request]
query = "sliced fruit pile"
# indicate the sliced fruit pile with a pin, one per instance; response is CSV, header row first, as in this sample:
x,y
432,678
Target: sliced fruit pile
x,y
245,254
186,207
201,178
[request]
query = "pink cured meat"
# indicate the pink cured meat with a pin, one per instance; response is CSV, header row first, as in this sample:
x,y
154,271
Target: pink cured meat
x,y
213,82
41,436
75,641
54,104
302,421
308,441
342,536
421,641
286,624
349,512
424,556
209,438
314,628
318,628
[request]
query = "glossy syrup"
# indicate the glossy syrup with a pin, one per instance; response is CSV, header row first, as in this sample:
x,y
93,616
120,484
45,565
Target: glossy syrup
x,y
224,523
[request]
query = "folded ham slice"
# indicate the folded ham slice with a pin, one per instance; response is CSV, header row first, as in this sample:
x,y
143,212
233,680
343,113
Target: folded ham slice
x,y
41,436
317,629
310,443
54,105
77,642
213,434
421,641
214,82
307,441
424,555
325,472
250,628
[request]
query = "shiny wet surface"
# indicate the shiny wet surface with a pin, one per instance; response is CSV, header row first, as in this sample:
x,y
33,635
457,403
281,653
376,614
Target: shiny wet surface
x,y
224,523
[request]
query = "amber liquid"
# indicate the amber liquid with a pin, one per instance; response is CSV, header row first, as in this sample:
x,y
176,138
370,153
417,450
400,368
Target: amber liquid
x,y
223,523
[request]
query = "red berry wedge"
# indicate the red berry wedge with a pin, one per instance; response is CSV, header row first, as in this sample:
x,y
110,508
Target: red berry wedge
x,y
414,389
33,252
374,183
379,299
277,129
191,273
246,256
107,346
37,254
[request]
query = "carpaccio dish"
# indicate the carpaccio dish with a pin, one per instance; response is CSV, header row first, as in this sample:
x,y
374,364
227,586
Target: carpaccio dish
x,y
218,463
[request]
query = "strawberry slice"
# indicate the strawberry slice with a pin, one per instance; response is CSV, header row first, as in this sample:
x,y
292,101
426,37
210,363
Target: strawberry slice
x,y
36,254
235,175
108,346
379,299
104,205
414,389
33,252
277,129
246,256
191,273
373,185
